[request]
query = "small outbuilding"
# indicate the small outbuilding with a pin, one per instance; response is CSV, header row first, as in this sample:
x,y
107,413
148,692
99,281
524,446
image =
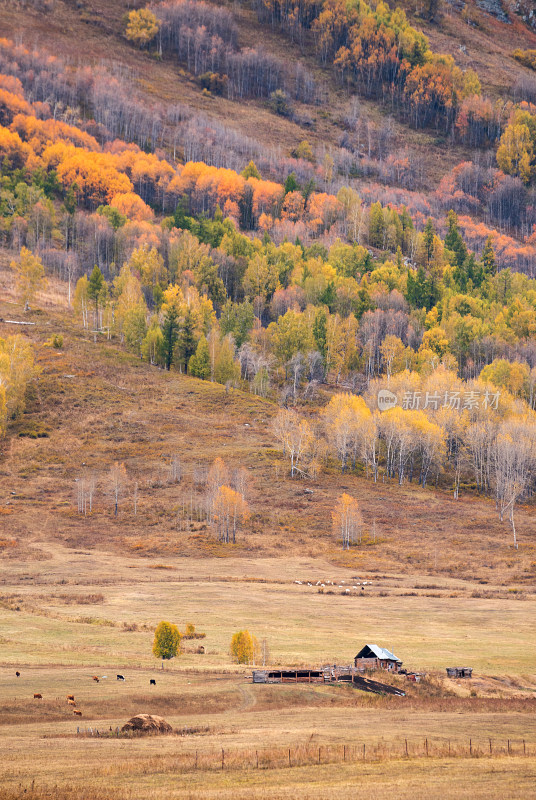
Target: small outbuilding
x,y
371,656
460,672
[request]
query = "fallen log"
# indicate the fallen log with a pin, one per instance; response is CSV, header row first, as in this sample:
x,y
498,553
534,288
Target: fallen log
x,y
15,322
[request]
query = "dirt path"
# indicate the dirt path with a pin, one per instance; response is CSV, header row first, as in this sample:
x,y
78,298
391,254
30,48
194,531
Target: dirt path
x,y
248,698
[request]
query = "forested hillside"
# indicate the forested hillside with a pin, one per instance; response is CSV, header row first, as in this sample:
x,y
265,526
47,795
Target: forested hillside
x,y
310,250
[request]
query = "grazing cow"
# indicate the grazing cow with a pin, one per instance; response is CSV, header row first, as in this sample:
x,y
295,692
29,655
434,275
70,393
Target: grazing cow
x,y
78,713
152,682
38,696
71,702
120,677
95,679
70,697
17,674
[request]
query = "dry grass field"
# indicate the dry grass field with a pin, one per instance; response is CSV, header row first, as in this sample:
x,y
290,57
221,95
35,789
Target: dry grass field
x,y
52,632
83,614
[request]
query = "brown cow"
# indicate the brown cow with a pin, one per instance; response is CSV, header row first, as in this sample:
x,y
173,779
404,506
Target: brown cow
x,y
17,673
71,702
70,697
38,696
95,679
78,713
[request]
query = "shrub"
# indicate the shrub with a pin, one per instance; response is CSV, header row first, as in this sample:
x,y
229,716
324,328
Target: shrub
x,y
526,57
214,82
303,150
279,103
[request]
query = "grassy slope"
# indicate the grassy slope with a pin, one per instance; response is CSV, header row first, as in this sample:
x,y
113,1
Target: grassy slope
x,y
99,405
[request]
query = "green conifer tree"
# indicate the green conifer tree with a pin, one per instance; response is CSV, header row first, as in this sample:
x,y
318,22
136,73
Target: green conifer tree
x,y
170,333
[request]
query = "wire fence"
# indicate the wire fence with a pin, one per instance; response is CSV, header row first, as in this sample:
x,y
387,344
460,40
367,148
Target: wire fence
x,y
301,755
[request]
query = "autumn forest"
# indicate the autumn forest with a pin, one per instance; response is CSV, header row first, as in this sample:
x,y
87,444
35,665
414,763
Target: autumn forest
x,y
267,371
286,273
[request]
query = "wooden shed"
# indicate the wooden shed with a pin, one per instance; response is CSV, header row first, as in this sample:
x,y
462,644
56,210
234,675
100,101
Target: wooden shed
x,y
460,672
371,656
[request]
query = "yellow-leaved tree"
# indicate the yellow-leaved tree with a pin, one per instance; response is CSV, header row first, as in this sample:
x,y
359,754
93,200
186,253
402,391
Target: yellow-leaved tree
x,y
515,153
17,370
167,641
245,648
30,276
230,510
142,27
347,520
3,409
351,430
130,308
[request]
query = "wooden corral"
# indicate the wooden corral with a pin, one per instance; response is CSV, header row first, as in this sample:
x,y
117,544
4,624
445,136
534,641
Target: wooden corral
x,y
328,674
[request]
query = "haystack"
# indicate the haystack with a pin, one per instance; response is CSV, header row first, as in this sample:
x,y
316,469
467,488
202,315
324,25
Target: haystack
x,y
147,723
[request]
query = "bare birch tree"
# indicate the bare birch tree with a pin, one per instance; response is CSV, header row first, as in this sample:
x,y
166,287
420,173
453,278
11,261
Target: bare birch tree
x,y
296,437
118,483
514,462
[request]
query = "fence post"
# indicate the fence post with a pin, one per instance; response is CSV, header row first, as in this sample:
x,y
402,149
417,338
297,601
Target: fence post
x,y
508,746
344,753
524,753
319,755
196,759
406,747
222,758
470,747
490,748
426,745
257,757
289,756
364,751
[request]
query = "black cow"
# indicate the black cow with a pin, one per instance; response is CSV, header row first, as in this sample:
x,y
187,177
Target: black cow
x,y
152,682
120,677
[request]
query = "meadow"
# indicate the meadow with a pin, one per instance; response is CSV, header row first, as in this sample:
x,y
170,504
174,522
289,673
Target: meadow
x,y
67,618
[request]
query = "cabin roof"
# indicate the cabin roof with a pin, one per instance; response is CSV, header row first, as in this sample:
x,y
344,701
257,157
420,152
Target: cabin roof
x,y
375,651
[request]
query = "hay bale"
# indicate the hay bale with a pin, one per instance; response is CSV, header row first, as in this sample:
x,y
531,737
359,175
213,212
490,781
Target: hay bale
x,y
147,723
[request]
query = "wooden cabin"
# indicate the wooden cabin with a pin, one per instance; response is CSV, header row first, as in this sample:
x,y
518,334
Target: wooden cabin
x,y
371,656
